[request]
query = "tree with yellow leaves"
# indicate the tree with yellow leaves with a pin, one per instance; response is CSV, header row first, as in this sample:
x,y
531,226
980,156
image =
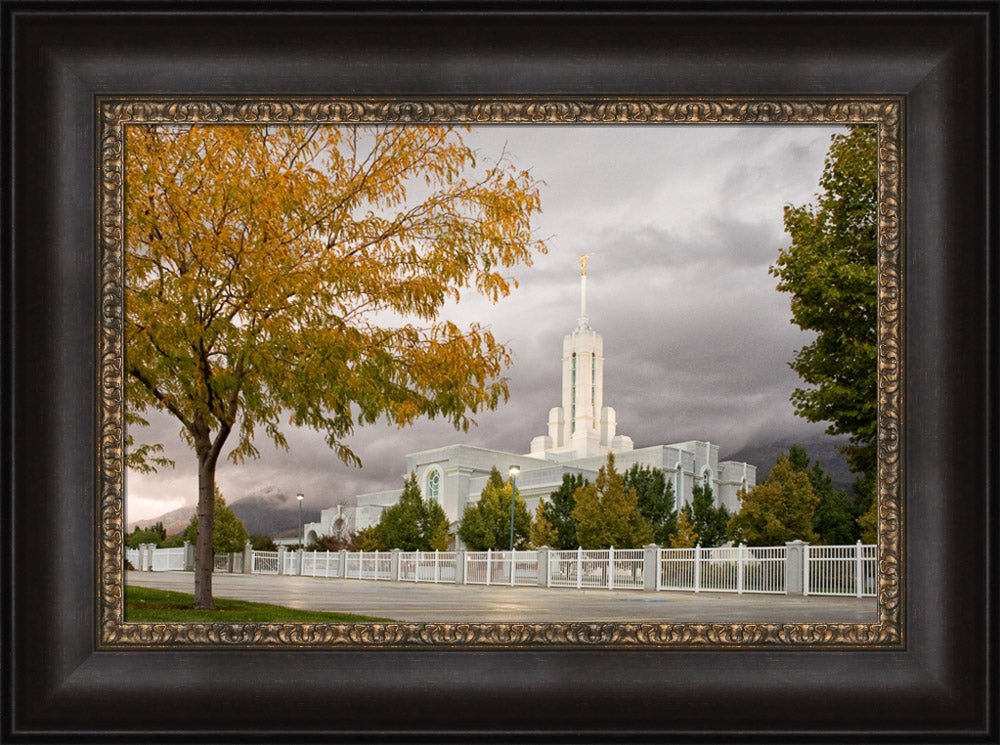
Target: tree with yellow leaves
x,y
295,275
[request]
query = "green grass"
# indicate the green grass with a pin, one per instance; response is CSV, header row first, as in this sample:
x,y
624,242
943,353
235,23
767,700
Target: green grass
x,y
144,604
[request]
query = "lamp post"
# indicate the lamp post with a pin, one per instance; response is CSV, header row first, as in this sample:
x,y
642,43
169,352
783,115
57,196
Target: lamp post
x,y
514,471
300,497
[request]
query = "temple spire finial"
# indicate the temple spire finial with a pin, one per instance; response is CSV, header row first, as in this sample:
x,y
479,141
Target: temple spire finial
x,y
582,322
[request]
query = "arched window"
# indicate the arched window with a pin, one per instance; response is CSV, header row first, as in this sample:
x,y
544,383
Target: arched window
x,y
433,490
679,485
706,480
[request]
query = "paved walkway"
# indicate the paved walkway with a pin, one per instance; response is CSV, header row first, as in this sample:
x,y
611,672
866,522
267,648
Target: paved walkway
x,y
422,602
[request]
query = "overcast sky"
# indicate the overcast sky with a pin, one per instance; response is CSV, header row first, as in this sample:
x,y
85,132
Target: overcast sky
x,y
683,223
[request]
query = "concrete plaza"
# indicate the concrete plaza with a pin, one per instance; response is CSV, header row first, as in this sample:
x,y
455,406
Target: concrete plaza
x,y
423,602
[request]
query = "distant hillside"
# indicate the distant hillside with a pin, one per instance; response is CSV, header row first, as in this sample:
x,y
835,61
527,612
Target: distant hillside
x,y
822,448
268,512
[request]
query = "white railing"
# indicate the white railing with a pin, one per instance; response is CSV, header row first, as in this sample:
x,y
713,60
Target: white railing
x,y
291,563
427,566
736,569
264,562
501,567
320,564
168,559
841,570
369,565
613,569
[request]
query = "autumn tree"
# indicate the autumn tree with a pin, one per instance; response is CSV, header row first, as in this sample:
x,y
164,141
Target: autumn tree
x,y
830,270
708,521
486,524
607,514
778,510
684,536
413,523
543,532
558,510
229,534
656,500
295,275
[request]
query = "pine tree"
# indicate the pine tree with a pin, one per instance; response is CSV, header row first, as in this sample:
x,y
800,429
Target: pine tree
x,y
543,533
558,510
710,523
412,524
486,524
778,510
656,500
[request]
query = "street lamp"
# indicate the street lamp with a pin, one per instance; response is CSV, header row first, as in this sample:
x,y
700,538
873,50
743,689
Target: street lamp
x,y
513,471
300,498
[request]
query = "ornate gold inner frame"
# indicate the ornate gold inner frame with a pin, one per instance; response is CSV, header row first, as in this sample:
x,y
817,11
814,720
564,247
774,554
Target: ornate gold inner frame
x,y
117,113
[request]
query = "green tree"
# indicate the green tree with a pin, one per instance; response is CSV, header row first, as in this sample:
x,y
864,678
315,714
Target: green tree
x,y
543,532
228,532
778,510
152,534
486,524
656,500
868,525
412,524
262,543
558,510
834,521
709,523
268,267
830,270
607,514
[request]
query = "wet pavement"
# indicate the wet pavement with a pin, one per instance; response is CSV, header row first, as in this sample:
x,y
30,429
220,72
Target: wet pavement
x,y
425,602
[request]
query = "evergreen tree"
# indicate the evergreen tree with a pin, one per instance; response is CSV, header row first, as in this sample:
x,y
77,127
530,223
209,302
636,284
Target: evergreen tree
x,y
607,514
656,500
558,510
779,510
709,523
412,524
834,521
486,524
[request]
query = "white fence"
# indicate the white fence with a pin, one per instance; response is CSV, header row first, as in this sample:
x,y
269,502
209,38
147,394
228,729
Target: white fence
x,y
614,569
841,570
736,569
796,568
501,568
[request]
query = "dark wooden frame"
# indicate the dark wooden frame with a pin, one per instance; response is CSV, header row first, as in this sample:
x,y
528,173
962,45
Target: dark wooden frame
x,y
57,687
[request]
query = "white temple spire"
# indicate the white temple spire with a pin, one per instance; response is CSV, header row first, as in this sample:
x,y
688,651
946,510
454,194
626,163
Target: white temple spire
x,y
582,322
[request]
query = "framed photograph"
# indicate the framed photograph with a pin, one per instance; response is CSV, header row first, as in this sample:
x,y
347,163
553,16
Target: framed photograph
x,y
87,88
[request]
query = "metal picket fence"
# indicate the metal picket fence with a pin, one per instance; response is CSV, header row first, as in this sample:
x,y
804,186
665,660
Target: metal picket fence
x,y
320,564
501,567
369,565
736,569
264,562
614,569
427,566
841,570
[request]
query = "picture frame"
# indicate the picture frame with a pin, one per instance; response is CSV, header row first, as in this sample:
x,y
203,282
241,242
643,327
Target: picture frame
x,y
64,680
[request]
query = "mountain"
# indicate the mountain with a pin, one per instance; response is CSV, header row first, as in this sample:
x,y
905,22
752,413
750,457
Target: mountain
x,y
820,447
266,512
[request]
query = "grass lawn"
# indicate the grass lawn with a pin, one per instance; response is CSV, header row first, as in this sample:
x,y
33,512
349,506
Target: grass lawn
x,y
144,604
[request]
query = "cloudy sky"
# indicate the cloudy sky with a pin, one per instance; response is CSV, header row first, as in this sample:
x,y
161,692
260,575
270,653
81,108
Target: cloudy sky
x,y
683,223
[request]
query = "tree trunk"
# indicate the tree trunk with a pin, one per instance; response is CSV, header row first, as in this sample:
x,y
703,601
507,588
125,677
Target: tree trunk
x,y
204,557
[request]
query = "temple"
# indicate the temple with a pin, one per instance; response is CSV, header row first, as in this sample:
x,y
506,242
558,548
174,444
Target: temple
x,y
581,432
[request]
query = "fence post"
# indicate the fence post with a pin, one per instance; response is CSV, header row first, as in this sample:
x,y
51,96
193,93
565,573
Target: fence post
x,y
740,564
611,567
513,565
489,565
542,553
188,556
341,563
857,568
795,572
650,567
247,558
281,559
461,567
437,566
579,567
394,565
697,567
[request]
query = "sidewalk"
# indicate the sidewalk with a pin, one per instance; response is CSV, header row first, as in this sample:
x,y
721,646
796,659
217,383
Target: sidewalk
x,y
424,603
